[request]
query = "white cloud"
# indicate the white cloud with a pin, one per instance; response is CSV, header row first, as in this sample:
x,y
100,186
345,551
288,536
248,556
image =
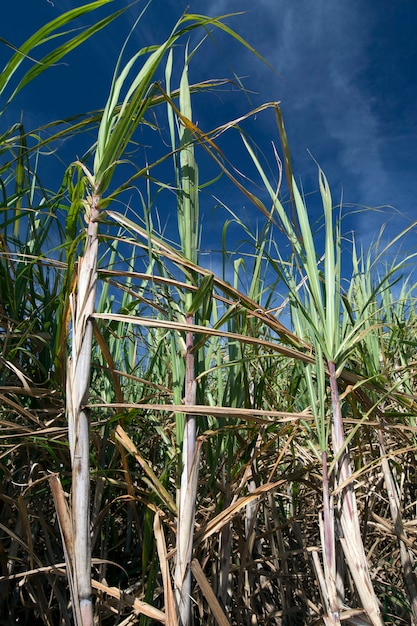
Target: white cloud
x,y
322,52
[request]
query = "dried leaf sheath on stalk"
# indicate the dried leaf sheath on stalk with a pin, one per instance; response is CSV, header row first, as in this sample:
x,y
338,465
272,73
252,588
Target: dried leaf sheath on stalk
x,y
78,384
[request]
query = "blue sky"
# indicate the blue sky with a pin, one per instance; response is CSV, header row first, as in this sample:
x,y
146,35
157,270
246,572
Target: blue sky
x,y
345,77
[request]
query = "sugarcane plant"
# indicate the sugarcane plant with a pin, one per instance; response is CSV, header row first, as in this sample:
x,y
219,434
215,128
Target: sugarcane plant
x,y
119,121
315,296
186,171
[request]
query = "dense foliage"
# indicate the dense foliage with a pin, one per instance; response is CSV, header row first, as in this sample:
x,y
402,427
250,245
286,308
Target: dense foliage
x,y
248,435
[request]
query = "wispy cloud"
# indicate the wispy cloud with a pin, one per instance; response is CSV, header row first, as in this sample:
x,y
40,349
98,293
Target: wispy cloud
x,y
324,55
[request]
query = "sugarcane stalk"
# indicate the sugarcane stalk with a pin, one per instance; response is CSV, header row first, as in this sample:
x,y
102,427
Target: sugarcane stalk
x,y
348,512
187,195
188,492
78,384
329,547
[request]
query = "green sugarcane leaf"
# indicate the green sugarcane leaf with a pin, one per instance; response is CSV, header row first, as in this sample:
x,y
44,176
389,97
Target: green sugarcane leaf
x,y
53,57
203,296
43,35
